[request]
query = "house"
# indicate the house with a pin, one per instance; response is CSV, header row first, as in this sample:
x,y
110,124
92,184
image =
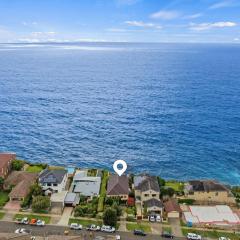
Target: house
x,y
118,187
147,195
85,185
153,206
146,187
208,191
20,182
57,202
71,199
172,209
6,160
53,181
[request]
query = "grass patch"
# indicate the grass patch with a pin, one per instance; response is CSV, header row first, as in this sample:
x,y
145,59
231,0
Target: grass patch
x,y
102,191
31,216
2,215
56,168
211,234
144,227
84,222
177,186
34,169
3,198
167,229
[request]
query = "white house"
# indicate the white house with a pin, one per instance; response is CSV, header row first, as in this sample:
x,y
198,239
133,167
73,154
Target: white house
x,y
53,181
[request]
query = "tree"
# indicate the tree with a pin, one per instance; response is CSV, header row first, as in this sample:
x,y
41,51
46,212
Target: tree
x,y
118,209
36,190
161,182
17,165
40,203
167,191
1,182
110,217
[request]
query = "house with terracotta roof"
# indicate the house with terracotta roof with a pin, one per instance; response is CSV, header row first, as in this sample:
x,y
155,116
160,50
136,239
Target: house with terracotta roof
x,y
6,160
172,209
118,187
21,182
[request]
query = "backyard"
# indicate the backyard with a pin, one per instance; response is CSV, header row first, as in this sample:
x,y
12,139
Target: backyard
x,y
34,169
177,186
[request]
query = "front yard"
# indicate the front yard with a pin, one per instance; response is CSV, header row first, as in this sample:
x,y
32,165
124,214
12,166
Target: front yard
x,y
31,216
2,215
3,198
211,233
144,227
85,222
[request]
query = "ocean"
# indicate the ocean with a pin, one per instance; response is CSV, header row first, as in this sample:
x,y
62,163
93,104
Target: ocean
x,y
167,109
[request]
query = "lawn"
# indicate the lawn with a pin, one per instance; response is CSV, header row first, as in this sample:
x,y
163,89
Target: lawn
x,y
3,198
30,216
177,186
144,227
84,222
167,229
34,169
102,191
2,215
211,234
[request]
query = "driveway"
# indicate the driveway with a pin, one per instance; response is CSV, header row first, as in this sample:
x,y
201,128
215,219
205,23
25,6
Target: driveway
x,y
176,227
12,206
156,228
67,212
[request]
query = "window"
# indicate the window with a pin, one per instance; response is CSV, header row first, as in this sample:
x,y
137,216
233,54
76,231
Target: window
x,y
154,195
49,184
55,184
146,195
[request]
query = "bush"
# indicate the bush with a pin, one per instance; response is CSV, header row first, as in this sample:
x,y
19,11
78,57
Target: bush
x,y
40,203
186,201
110,217
17,165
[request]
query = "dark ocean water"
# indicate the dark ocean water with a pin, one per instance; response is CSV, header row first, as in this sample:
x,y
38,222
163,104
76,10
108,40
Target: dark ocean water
x,y
167,109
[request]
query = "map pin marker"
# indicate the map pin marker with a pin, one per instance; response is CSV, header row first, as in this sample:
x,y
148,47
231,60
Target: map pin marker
x,y
118,170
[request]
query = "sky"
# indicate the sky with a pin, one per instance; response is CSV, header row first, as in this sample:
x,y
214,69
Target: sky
x,y
120,21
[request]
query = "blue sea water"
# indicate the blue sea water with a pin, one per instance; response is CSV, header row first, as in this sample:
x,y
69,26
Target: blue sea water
x,y
167,109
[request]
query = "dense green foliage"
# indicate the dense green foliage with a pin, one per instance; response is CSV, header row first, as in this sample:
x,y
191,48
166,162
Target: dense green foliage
x,y
110,217
40,203
17,165
102,191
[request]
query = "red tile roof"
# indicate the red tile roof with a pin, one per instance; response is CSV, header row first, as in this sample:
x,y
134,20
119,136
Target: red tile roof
x,y
172,206
5,159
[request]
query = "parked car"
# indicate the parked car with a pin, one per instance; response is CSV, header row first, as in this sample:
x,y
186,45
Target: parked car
x,y
40,223
158,218
25,221
76,226
193,236
108,229
93,227
167,235
22,231
224,238
99,238
118,237
152,219
139,232
33,221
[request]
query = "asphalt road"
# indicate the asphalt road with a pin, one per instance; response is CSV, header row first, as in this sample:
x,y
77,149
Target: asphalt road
x,y
10,227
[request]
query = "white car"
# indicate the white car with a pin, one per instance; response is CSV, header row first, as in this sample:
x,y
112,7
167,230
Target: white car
x,y
118,237
158,218
22,231
93,227
40,223
193,236
152,219
108,229
224,238
76,226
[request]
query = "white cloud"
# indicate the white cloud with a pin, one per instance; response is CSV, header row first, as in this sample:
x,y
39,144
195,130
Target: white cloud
x,y
193,16
236,39
142,24
222,4
206,26
43,34
165,15
29,23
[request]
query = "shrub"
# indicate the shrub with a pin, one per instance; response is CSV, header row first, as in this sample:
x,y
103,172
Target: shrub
x,y
40,203
110,217
17,165
186,201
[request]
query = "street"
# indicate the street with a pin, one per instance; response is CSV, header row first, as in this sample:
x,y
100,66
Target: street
x,y
10,227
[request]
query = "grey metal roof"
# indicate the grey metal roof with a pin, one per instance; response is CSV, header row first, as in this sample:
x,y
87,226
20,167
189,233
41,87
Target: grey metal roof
x,y
72,198
52,176
207,186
